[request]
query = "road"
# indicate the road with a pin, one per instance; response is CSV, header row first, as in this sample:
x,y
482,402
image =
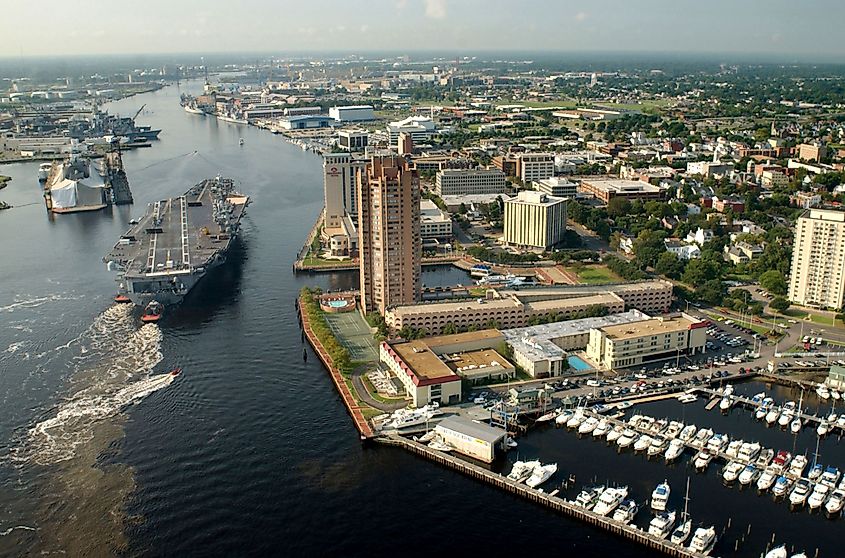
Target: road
x,y
589,238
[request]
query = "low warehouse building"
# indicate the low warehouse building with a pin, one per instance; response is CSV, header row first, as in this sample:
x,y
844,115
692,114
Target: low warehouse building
x,y
472,439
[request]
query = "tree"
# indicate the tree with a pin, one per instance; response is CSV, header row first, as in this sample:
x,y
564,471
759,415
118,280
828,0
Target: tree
x,y
618,206
700,271
462,209
670,265
648,247
773,281
711,291
779,304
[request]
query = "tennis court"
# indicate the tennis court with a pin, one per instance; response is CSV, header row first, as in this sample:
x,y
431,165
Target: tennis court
x,y
352,331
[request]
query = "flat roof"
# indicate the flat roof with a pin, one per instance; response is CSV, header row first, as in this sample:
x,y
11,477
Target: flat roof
x,y
506,303
425,366
477,430
590,300
472,363
466,337
655,326
623,186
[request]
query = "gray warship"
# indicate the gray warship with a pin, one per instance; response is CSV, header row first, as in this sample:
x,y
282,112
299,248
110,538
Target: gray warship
x,y
178,240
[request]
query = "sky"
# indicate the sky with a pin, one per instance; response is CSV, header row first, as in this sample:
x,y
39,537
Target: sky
x,y
806,29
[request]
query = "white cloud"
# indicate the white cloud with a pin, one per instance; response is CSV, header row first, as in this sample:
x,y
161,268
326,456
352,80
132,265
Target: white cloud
x,y
435,9
400,4
581,16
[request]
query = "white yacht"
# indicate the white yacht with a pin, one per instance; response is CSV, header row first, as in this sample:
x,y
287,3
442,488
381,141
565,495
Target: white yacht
x,y
521,470
765,457
440,445
815,471
660,496
823,392
835,394
44,171
797,466
748,475
823,428
726,403
777,552
701,438
688,433
610,500
673,429
786,415
798,496
840,422
772,415
676,448
658,446
702,459
661,525
733,449
626,512
602,428
642,443
764,408
627,438
818,496
835,503
541,474
766,479
749,451
718,443
830,476
551,415
687,398
588,497
576,419
703,540
588,425
732,471
615,433
563,417
681,532
781,486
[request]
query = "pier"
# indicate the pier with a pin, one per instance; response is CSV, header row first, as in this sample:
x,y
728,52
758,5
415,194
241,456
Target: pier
x,y
559,505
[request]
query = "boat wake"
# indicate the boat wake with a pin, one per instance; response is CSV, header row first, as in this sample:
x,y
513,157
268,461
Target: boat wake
x,y
112,371
35,302
21,527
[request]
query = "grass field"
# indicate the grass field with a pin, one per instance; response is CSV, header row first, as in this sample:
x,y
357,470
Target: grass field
x,y
821,319
596,275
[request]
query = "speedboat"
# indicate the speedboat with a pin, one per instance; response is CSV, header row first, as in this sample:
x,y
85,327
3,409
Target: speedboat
x,y
781,487
766,479
823,428
521,470
588,497
602,428
732,471
748,475
688,433
763,409
777,552
610,500
772,415
703,540
830,476
799,463
815,472
627,438
588,425
152,312
676,448
642,443
658,446
798,496
615,433
121,298
661,525
681,532
733,448
626,512
702,460
541,474
765,457
835,503
818,497
660,496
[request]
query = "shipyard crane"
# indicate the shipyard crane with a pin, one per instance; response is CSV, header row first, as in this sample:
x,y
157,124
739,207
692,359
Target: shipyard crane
x,y
139,111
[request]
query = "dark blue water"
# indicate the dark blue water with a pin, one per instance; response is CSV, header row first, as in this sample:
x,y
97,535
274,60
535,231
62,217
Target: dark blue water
x,y
250,451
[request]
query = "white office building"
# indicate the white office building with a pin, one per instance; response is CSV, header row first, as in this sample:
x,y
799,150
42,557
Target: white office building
x,y
556,186
536,166
457,182
352,113
420,128
434,222
534,220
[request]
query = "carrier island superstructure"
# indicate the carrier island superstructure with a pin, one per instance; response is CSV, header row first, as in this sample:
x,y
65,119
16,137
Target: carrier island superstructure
x,y
177,241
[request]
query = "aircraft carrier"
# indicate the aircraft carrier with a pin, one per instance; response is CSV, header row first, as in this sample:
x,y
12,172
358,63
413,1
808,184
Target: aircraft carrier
x,y
177,241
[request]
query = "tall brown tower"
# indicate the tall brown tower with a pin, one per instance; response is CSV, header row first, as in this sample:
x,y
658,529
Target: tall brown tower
x,y
389,233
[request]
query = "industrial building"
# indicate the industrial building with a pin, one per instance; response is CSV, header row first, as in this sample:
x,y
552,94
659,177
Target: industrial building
x,y
473,439
352,113
455,182
534,220
304,122
607,189
634,344
542,350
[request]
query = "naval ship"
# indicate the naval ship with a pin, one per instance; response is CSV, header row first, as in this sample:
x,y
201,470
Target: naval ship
x,y
177,241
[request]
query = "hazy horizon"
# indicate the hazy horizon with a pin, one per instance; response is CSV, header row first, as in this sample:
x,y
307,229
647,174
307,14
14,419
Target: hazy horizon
x,y
774,29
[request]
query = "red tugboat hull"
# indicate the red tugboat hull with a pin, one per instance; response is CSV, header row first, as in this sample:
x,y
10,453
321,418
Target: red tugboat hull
x,y
176,371
122,299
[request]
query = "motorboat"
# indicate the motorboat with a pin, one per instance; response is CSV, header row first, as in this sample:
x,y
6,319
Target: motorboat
x,y
781,486
615,433
152,312
763,409
781,460
626,512
786,415
687,398
748,475
660,496
588,425
602,428
627,438
44,171
823,392
635,420
588,497
681,532
610,499
676,448
661,524
796,425
823,428
440,445
521,470
717,443
701,438
733,448
749,451
658,426
576,419
688,433
818,497
642,443
772,415
551,415
830,476
673,429
835,394
765,457
835,503
731,471
541,474
777,552
563,417
799,463
800,493
703,540
726,403
815,471
766,479
728,390
702,460
657,447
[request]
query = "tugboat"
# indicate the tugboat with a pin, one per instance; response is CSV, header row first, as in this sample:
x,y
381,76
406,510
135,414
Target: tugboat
x,y
121,298
176,371
152,312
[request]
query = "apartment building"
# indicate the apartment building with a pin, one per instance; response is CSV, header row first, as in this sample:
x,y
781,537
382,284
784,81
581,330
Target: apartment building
x,y
817,277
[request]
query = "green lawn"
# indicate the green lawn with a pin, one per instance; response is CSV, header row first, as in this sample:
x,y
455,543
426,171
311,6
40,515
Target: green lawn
x,y
596,275
799,314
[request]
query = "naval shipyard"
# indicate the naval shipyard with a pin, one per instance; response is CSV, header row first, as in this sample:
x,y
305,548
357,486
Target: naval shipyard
x,y
177,241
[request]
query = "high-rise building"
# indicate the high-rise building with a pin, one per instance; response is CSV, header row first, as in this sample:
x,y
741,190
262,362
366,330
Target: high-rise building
x,y
389,244
818,260
536,166
534,220
340,171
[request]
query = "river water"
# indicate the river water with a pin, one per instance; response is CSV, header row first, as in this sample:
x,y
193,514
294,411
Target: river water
x,y
249,451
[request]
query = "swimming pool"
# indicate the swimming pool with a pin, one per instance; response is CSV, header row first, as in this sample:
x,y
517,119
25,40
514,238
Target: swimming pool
x,y
577,363
338,303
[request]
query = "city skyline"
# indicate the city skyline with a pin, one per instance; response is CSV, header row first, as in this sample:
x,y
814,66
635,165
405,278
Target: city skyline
x,y
789,30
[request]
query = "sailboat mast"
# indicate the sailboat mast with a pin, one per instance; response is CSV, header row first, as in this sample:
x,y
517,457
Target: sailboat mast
x,y
686,502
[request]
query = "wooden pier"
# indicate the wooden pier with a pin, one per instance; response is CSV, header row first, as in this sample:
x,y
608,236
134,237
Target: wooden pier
x,y
630,532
